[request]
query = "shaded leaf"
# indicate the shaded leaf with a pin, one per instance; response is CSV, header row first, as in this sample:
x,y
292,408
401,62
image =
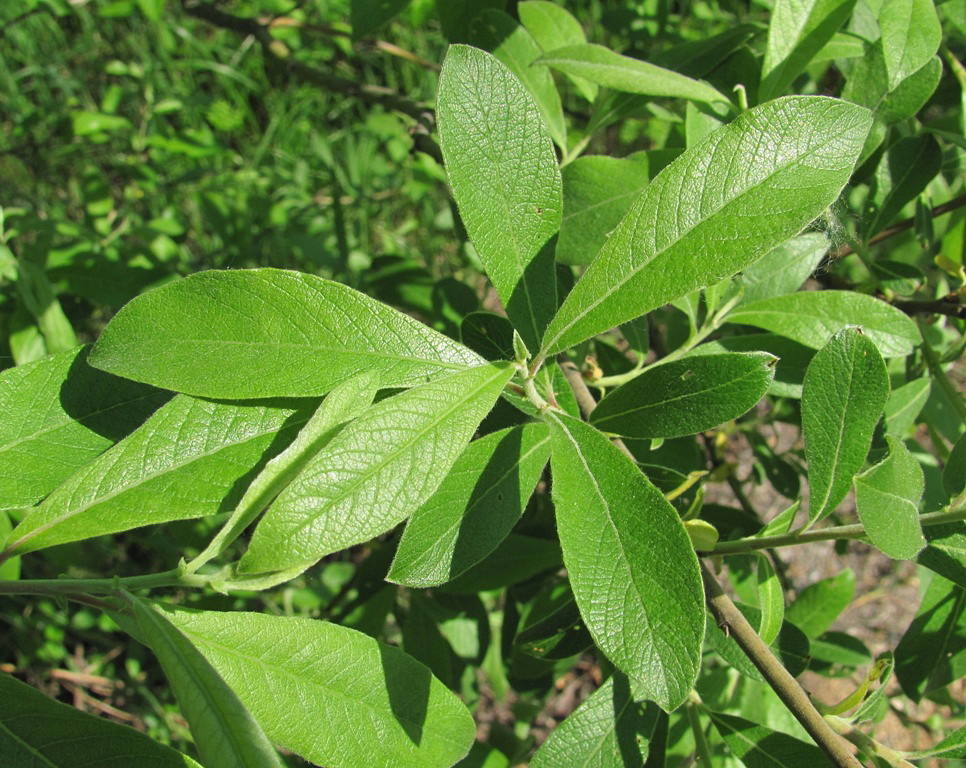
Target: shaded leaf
x,y
903,406
760,747
784,268
474,509
366,16
678,237
36,730
903,173
268,333
379,469
648,621
503,171
686,396
819,604
845,390
945,552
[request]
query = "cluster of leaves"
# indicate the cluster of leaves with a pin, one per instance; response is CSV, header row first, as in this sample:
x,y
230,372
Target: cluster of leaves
x,y
470,510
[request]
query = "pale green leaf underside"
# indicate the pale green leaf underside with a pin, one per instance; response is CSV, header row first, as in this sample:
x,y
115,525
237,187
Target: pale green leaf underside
x,y
784,268
379,469
604,67
503,171
226,734
844,392
346,699
37,731
608,730
614,526
58,414
812,317
269,333
185,461
887,502
474,509
686,396
715,210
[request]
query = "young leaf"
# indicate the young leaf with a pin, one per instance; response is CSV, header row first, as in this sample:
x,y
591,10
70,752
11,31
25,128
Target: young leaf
x,y
953,745
355,701
36,730
597,191
910,36
845,390
887,501
784,268
251,333
819,604
608,730
342,404
686,396
630,563
701,221
797,31
771,600
474,509
498,32
932,653
380,469
56,416
811,317
760,747
504,175
604,67
903,173
224,731
188,460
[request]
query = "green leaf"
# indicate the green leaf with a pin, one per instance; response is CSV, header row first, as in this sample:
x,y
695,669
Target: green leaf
x,y
686,396
614,526
903,173
954,473
190,459
811,317
797,31
843,395
946,552
932,653
604,67
760,747
819,604
517,559
488,334
608,730
746,203
887,501
380,469
36,730
597,191
502,35
790,645
474,509
341,405
366,16
552,27
910,36
953,745
784,268
224,731
268,333
57,415
903,406
771,600
503,171
354,701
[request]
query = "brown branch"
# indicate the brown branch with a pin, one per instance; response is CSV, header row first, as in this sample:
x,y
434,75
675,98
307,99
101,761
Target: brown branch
x,y
789,691
421,113
728,616
899,227
948,305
